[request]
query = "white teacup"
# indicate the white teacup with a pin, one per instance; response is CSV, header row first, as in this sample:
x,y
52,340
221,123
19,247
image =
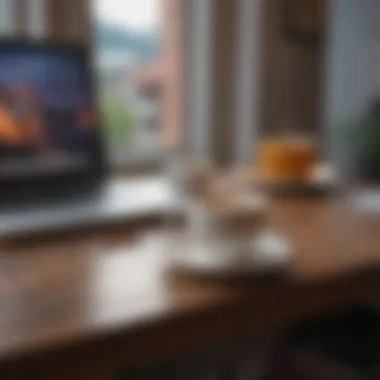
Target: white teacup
x,y
230,220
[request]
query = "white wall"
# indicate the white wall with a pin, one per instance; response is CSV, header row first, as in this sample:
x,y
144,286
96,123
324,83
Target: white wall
x,y
352,73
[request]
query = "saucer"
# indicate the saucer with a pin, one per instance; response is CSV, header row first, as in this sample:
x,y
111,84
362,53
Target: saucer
x,y
268,253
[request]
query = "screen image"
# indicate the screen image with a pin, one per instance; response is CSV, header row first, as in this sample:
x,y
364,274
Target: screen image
x,y
46,110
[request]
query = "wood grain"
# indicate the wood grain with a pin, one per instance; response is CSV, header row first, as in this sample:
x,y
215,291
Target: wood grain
x,y
77,307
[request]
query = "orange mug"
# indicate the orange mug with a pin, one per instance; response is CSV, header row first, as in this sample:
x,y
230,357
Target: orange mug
x,y
288,159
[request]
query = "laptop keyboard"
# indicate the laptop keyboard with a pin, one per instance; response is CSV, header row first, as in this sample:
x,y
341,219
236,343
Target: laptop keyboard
x,y
119,199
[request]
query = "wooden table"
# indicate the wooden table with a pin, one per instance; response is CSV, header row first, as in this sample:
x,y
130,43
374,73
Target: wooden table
x,y
79,306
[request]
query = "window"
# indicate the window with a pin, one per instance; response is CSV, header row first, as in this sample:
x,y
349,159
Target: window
x,y
129,67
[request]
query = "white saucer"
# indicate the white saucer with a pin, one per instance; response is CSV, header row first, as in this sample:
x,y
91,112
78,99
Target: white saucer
x,y
269,253
323,179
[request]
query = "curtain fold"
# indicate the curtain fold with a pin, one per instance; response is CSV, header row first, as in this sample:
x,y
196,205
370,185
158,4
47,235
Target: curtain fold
x,y
7,17
220,124
223,77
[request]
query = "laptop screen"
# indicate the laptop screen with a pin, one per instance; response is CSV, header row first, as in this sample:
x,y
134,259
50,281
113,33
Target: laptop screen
x,y
47,115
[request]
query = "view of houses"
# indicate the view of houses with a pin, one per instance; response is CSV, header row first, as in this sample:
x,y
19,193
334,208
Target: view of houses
x,y
129,84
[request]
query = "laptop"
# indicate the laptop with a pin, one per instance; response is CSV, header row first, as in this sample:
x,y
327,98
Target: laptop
x,y
53,172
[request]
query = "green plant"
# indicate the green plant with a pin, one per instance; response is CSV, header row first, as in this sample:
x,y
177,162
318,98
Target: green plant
x,y
363,133
360,138
370,131
118,120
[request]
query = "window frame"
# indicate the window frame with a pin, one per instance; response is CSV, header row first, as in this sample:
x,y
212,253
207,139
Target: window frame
x,y
155,159
55,26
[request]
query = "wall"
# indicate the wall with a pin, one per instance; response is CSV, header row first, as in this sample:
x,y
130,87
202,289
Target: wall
x,y
69,19
352,59
291,77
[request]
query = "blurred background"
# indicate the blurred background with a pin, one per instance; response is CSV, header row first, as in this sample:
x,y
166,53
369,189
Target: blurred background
x,y
215,76
207,75
218,79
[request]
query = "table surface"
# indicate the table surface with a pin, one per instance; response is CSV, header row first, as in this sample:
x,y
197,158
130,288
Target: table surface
x,y
79,305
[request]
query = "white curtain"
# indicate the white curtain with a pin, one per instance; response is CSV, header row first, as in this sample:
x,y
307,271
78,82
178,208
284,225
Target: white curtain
x,y
223,86
7,17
